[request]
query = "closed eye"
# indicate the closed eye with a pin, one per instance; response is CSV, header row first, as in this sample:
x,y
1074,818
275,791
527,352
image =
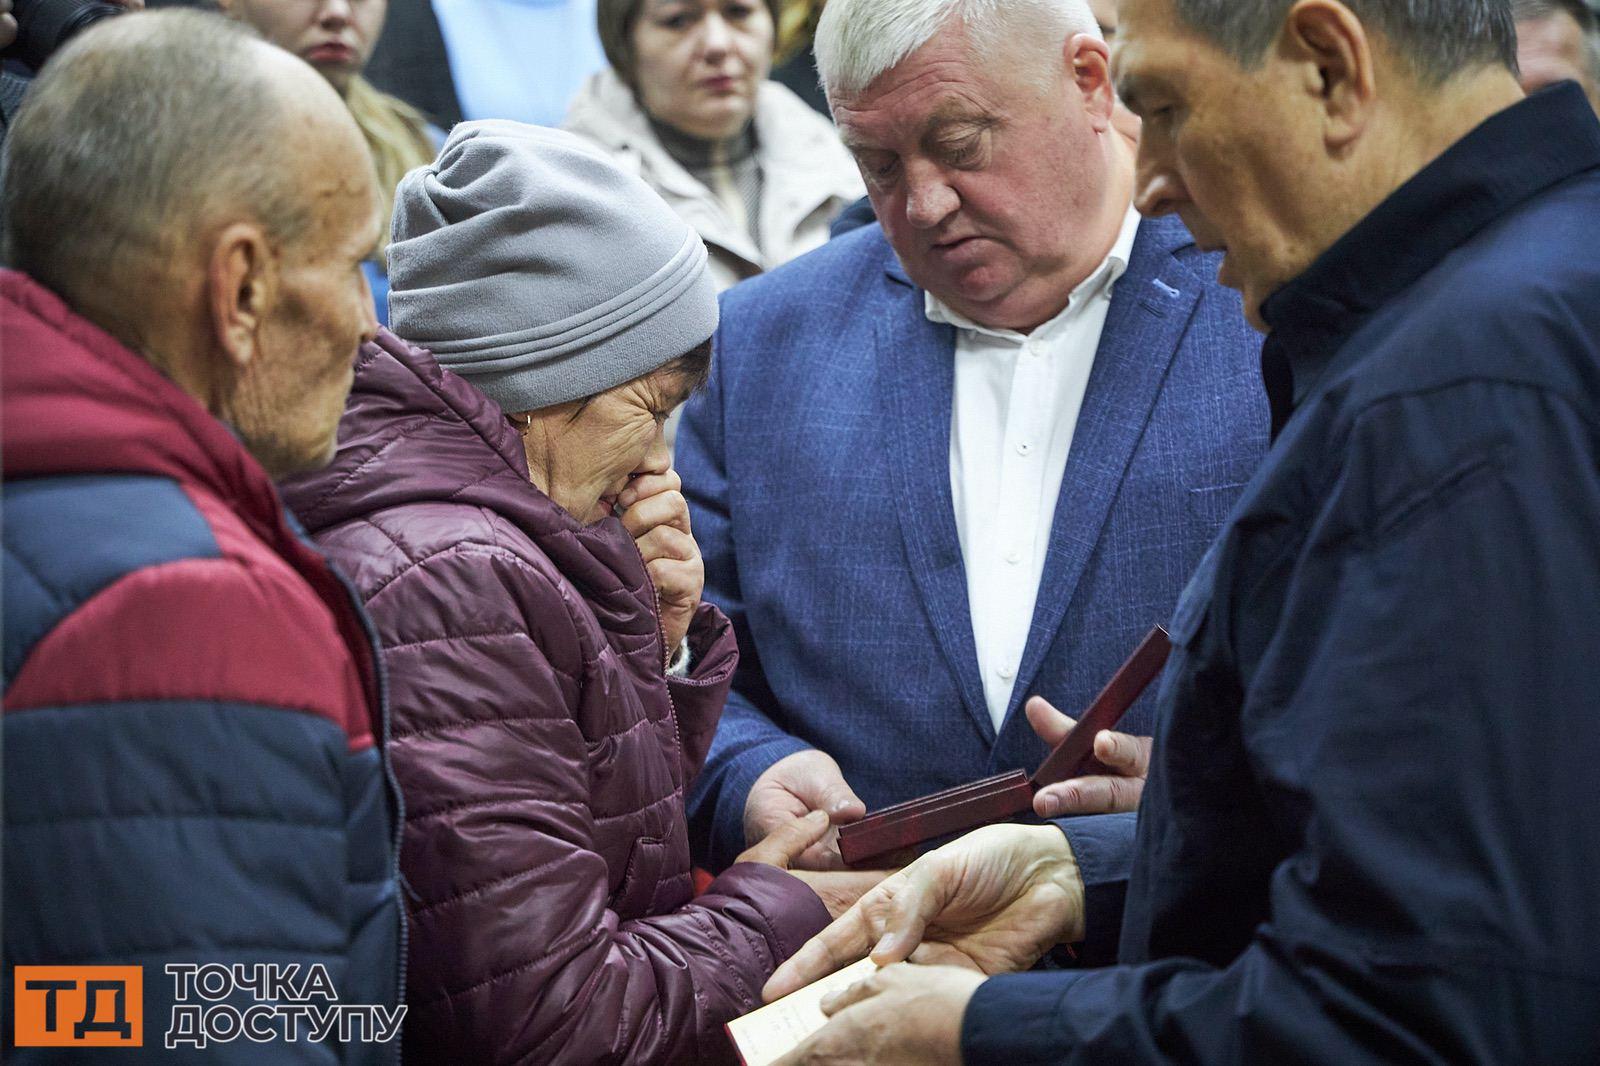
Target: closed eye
x,y
965,152
878,166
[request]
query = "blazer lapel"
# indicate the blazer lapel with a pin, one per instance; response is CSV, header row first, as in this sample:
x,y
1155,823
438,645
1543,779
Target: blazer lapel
x,y
916,360
1150,310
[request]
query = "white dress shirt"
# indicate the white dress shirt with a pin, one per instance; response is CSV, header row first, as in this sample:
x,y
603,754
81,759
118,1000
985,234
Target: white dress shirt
x,y
1016,405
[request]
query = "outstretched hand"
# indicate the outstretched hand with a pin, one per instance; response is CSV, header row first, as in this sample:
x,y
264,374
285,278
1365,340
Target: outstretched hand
x,y
909,1015
1125,758
994,901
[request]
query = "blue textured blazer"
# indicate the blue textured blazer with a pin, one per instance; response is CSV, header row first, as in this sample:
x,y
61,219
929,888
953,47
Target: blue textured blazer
x,y
817,467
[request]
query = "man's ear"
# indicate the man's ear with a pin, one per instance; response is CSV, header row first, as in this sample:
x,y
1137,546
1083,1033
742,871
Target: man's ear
x,y
1089,59
241,286
1329,40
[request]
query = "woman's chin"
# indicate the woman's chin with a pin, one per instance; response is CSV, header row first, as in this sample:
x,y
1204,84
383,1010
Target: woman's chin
x,y
720,119
583,511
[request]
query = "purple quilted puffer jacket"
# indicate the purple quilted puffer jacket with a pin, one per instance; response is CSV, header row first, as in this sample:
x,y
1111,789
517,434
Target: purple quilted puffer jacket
x,y
541,749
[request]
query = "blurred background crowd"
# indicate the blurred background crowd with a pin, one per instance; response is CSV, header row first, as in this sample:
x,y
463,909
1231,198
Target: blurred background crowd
x,y
716,104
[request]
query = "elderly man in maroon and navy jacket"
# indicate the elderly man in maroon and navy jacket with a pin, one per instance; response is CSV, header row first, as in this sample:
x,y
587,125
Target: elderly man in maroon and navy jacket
x,y
192,729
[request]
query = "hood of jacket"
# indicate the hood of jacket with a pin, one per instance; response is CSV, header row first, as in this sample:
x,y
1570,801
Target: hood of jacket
x,y
80,402
77,401
416,433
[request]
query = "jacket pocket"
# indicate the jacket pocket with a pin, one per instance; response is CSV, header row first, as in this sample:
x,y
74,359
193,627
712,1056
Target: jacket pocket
x,y
640,880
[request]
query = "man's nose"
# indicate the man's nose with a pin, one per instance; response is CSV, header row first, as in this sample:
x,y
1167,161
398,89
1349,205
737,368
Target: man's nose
x,y
930,199
1157,188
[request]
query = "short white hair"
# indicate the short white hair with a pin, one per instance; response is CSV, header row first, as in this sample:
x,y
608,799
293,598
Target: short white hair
x,y
858,41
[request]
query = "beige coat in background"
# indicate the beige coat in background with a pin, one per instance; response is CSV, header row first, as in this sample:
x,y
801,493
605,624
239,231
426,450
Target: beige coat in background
x,y
808,177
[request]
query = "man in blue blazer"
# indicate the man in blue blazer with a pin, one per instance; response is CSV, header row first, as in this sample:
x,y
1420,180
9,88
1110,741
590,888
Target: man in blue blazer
x,y
909,528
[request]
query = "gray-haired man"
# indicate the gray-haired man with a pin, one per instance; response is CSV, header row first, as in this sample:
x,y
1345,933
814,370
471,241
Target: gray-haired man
x,y
1022,433
193,730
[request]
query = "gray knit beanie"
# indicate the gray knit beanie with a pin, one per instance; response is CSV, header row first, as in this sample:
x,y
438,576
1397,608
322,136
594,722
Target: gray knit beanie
x,y
534,268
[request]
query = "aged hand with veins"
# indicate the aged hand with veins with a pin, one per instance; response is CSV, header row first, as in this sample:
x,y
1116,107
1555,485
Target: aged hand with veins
x,y
903,1014
993,901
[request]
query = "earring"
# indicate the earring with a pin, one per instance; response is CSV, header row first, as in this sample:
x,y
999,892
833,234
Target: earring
x,y
521,423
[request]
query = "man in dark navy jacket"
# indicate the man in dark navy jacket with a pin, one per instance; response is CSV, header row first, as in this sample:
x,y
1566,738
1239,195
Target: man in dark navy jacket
x,y
1369,833
193,761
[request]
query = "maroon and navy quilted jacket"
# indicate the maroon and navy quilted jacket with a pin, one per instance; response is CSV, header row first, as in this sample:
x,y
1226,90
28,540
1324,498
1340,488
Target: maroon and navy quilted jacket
x,y
542,751
192,726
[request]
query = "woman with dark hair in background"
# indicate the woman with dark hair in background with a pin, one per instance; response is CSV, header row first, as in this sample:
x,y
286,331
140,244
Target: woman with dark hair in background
x,y
687,106
336,37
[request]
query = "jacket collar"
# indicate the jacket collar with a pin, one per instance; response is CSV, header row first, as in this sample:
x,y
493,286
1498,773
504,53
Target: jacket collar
x,y
78,401
1510,158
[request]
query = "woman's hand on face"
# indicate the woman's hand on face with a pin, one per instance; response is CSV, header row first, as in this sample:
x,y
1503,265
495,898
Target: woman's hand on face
x,y
656,515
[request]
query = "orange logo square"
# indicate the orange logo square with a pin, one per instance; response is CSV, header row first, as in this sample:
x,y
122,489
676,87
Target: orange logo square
x,y
79,1006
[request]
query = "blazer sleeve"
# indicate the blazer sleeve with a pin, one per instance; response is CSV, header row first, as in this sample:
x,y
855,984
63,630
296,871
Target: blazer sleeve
x,y
515,955
749,739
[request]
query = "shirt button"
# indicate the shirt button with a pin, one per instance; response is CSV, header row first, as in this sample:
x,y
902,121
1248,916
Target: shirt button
x,y
1014,558
1005,673
1024,448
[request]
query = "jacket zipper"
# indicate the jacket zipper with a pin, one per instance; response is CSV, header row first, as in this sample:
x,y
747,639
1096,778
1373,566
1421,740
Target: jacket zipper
x,y
396,799
661,628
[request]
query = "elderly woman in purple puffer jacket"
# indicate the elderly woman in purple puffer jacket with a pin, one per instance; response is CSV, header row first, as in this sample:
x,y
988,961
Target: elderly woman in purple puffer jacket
x,y
554,678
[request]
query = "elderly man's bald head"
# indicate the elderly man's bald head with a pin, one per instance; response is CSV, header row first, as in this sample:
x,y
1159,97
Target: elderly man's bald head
x,y
147,132
207,200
